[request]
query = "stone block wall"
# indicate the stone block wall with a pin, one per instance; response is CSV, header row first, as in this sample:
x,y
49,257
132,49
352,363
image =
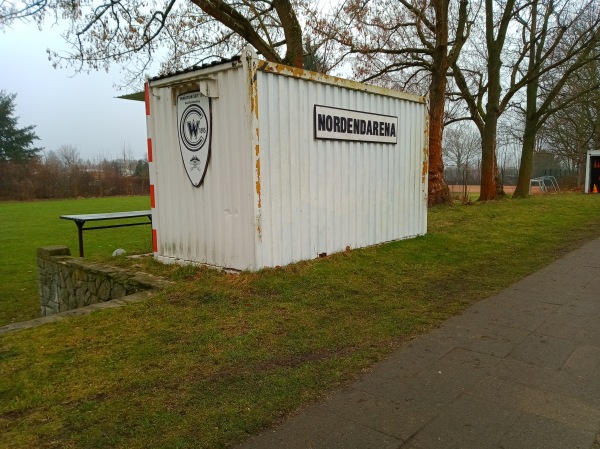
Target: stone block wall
x,y
67,282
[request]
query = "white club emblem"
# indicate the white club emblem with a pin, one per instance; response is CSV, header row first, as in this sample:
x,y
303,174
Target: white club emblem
x,y
194,130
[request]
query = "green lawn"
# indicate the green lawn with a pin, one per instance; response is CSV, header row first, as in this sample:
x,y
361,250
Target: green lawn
x,y
25,226
218,357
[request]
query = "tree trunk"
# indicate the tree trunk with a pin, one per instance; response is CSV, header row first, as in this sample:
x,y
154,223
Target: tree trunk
x,y
233,19
526,165
531,115
498,178
293,33
488,161
489,166
438,189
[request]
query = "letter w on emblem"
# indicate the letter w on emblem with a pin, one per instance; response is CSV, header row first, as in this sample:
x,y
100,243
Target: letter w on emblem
x,y
193,128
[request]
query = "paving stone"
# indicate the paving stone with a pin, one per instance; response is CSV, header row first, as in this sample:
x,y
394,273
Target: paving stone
x,y
479,336
559,266
525,315
585,307
567,275
314,429
545,351
568,329
531,284
423,393
593,286
397,419
536,432
542,296
468,423
588,264
412,357
499,302
554,406
578,385
550,285
589,323
585,359
436,386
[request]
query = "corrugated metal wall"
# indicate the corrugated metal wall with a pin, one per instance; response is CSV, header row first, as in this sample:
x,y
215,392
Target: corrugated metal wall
x,y
323,196
213,223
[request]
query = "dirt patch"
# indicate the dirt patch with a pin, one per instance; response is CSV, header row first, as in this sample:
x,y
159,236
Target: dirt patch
x,y
509,190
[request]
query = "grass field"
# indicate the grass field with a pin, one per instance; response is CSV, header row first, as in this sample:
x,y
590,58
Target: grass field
x,y
25,226
218,357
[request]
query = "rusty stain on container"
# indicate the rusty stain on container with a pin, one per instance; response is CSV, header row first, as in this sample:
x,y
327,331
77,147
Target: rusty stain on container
x,y
259,229
262,65
294,72
253,74
253,65
425,171
258,181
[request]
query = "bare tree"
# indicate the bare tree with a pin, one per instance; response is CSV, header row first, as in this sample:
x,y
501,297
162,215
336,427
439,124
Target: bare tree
x,y
127,160
479,84
134,33
69,156
21,10
570,132
412,37
521,41
508,146
72,167
462,144
560,42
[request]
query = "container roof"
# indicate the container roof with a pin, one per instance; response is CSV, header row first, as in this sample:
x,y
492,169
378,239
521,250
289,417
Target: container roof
x,y
139,96
280,69
197,67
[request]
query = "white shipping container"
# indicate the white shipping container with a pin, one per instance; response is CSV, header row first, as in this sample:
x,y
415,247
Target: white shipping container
x,y
255,164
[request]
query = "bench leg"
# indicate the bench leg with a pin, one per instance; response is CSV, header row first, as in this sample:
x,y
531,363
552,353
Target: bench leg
x,y
80,235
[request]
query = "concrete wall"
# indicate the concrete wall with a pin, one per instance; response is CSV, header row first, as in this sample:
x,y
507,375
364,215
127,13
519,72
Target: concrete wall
x,y
67,283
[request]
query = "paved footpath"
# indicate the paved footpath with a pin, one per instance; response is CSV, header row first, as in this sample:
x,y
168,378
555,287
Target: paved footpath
x,y
520,369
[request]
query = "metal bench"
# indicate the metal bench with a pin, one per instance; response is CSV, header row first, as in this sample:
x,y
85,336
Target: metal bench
x,y
80,221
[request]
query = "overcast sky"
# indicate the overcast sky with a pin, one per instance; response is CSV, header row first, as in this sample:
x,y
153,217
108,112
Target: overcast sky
x,y
79,110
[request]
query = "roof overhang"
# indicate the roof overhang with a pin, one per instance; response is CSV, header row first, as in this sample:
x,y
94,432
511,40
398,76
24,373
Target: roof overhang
x,y
136,96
